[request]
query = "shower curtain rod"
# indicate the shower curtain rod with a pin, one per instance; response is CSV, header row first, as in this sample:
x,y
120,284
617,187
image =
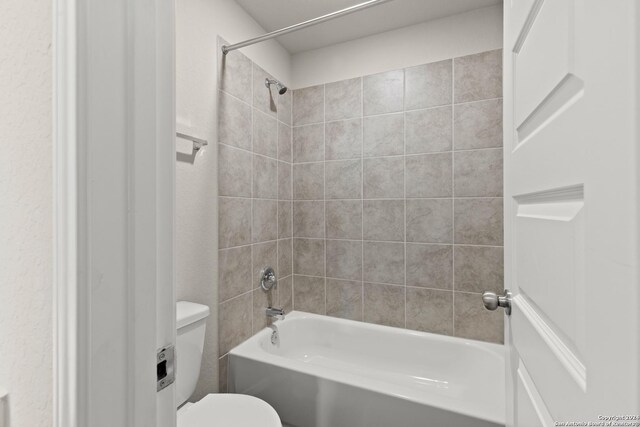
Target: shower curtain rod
x,y
286,30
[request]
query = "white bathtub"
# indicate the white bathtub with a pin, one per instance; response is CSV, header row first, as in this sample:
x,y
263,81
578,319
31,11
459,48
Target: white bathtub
x,y
327,372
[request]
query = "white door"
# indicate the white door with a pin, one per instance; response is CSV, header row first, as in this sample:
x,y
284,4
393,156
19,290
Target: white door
x,y
571,210
115,160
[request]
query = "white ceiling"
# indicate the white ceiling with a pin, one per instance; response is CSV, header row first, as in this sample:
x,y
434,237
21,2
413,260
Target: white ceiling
x,y
275,14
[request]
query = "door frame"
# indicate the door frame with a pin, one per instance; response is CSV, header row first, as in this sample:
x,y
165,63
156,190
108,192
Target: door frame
x,y
114,185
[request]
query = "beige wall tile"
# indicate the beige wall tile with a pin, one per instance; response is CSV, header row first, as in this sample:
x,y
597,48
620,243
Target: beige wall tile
x,y
308,219
343,179
234,222
234,322
473,321
478,173
309,294
308,181
384,304
285,258
344,219
430,220
478,221
234,173
285,151
343,139
308,257
429,175
384,262
265,177
344,259
285,218
383,93
265,220
344,299
234,122
428,85
265,134
308,105
478,76
384,178
430,266
428,131
343,99
430,310
479,269
234,272
235,76
308,143
284,181
383,135
478,125
383,220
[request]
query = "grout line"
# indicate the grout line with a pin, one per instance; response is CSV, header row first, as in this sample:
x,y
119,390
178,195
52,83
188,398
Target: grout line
x,y
365,241
362,197
252,189
324,189
395,156
453,207
404,183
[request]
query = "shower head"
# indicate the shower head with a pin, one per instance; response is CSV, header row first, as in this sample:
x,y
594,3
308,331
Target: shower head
x,y
282,89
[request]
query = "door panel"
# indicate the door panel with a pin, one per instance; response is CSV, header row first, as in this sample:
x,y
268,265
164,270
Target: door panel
x,y
532,411
571,83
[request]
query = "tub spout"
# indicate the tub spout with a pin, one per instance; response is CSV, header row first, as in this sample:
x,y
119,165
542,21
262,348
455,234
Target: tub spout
x,y
278,313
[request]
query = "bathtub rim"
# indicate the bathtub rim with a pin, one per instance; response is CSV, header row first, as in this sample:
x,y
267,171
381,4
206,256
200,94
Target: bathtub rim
x,y
251,350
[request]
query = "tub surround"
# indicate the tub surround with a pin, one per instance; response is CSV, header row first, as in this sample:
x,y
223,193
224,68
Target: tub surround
x,y
397,197
254,199
377,199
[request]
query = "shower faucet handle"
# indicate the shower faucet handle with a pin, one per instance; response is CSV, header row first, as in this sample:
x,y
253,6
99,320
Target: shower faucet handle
x,y
268,278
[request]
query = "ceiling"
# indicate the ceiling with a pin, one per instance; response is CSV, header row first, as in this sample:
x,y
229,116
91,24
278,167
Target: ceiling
x,y
276,14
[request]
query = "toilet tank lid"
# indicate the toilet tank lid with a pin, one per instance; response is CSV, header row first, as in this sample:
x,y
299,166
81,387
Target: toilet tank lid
x,y
189,312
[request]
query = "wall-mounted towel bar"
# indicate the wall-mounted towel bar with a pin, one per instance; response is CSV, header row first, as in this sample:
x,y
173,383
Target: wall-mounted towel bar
x,y
197,142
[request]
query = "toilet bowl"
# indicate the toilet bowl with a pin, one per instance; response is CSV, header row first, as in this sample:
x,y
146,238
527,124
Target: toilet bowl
x,y
228,410
233,410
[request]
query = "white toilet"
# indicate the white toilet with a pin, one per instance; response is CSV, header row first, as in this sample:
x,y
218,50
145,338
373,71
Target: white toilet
x,y
228,410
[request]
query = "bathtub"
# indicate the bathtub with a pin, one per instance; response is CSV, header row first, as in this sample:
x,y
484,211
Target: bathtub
x,y
327,372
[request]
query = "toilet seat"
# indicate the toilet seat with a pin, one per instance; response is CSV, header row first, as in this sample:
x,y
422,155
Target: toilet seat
x,y
229,410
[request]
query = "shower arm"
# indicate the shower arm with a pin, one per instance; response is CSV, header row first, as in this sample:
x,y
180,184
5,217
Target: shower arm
x,y
286,30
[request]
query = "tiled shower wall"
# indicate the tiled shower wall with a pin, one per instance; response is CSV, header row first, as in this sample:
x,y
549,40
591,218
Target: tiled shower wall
x,y
254,190
397,188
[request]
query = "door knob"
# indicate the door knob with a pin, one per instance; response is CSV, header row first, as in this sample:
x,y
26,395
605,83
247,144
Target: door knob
x,y
492,301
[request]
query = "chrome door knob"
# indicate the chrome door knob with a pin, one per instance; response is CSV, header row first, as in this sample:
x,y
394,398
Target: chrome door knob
x,y
492,301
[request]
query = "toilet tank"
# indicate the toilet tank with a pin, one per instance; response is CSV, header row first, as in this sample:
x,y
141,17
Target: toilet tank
x,y
191,322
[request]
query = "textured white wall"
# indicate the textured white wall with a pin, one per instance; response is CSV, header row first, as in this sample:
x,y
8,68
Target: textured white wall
x,y
26,221
199,22
458,35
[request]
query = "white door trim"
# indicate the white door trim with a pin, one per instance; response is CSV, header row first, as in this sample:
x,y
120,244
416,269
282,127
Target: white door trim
x,y
114,154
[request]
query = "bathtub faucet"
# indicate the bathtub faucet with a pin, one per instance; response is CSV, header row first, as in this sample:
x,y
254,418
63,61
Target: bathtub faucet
x,y
278,313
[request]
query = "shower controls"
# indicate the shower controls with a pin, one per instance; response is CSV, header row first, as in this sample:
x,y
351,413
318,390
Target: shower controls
x,y
268,278
492,301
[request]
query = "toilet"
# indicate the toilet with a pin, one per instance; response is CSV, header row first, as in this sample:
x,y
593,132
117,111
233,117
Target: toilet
x,y
228,410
